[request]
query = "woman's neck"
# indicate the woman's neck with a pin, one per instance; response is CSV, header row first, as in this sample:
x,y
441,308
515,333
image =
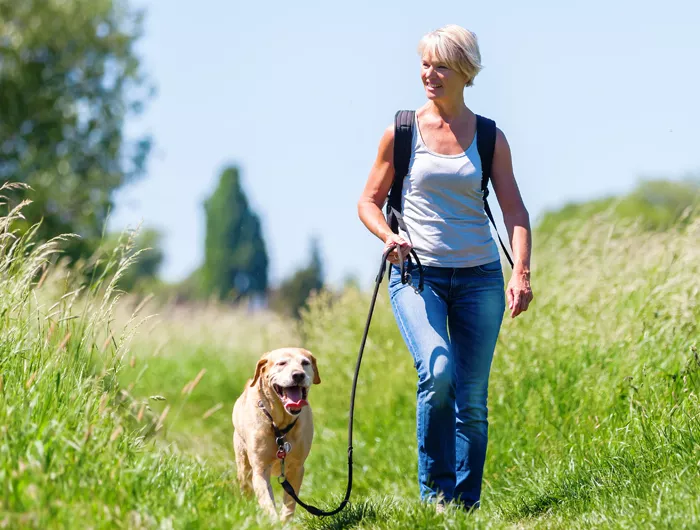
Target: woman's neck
x,y
448,110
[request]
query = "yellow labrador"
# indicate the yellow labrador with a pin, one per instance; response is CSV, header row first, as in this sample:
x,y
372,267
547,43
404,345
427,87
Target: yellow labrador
x,y
279,388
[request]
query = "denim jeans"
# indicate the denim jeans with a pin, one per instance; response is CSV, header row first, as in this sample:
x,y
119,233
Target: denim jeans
x,y
451,330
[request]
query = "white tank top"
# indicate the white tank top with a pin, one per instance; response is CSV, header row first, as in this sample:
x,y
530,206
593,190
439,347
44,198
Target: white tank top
x,y
443,207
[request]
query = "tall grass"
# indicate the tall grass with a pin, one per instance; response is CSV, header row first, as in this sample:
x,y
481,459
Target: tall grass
x,y
594,392
76,450
109,421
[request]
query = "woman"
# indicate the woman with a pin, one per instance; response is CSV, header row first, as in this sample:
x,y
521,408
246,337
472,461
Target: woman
x,y
452,326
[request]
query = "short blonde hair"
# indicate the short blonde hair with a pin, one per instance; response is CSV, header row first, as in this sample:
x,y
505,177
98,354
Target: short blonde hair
x,y
456,47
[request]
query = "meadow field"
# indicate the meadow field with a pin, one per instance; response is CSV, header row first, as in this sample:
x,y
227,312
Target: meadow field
x,y
115,411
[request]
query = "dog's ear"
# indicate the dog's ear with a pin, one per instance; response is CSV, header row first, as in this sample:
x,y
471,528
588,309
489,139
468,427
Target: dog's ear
x,y
317,378
259,369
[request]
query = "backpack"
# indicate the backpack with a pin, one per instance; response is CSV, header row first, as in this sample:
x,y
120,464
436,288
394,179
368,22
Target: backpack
x,y
403,139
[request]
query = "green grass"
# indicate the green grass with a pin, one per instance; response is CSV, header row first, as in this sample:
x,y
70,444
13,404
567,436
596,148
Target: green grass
x,y
593,406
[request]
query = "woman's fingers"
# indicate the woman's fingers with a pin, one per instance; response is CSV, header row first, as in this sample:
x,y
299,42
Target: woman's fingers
x,y
515,310
509,296
400,246
518,301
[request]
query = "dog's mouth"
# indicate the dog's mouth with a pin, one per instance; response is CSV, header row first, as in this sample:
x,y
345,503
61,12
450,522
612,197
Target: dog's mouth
x,y
293,397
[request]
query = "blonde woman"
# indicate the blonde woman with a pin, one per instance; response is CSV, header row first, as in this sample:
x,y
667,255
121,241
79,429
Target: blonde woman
x,y
451,327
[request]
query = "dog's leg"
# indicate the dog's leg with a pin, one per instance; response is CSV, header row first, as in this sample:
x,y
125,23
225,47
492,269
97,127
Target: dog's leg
x,y
295,474
243,470
263,489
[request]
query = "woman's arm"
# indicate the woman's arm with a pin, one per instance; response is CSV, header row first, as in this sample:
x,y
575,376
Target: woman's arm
x,y
517,222
369,207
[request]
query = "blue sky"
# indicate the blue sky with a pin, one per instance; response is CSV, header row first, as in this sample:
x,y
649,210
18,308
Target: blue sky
x,y
591,95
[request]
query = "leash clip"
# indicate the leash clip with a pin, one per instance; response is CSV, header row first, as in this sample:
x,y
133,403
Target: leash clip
x,y
283,447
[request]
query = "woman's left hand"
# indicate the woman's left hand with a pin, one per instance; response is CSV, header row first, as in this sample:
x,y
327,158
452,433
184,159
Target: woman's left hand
x,y
519,293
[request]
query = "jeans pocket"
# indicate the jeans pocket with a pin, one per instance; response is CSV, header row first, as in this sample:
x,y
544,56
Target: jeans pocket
x,y
489,269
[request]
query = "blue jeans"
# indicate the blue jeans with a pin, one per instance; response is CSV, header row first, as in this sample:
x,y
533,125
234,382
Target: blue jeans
x,y
451,330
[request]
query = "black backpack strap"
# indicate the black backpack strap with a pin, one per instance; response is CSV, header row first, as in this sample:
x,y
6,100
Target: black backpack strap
x,y
403,144
486,145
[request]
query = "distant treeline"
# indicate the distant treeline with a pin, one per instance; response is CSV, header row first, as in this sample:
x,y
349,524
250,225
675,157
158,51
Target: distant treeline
x,y
69,79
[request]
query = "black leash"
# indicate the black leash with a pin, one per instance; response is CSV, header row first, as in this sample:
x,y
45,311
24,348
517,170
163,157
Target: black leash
x,y
406,278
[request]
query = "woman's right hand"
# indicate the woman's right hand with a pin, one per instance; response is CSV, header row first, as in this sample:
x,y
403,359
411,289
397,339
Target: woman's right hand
x,y
400,246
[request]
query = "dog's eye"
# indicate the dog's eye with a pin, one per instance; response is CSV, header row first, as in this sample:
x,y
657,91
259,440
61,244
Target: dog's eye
x,y
305,362
281,363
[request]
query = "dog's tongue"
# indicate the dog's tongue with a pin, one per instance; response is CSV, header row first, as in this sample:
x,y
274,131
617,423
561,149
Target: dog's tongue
x,y
293,397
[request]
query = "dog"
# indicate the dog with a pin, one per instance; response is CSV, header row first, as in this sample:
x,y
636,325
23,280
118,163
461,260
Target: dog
x,y
280,388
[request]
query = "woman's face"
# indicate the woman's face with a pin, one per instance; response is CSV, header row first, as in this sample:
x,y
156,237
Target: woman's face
x,y
439,81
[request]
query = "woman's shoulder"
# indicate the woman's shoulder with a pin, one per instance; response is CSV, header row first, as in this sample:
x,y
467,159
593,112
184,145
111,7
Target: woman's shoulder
x,y
501,142
387,140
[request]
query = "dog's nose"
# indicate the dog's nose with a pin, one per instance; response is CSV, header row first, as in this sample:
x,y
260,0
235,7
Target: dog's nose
x,y
298,377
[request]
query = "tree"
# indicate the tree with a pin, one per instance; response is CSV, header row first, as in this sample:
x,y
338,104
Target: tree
x,y
235,258
292,294
68,79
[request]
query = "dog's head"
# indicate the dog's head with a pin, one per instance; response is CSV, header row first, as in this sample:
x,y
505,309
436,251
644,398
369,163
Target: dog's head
x,y
289,372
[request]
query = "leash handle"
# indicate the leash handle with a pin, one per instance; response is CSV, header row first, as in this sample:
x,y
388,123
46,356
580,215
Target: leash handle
x,y
407,278
405,272
405,268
